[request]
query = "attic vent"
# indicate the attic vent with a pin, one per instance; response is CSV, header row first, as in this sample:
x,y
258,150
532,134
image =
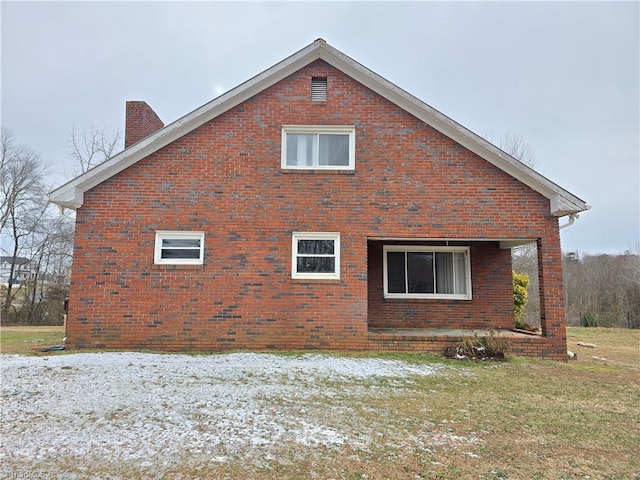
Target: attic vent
x,y
319,89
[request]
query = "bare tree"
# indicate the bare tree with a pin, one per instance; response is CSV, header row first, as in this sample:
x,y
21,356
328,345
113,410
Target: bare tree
x,y
91,147
23,202
50,248
515,146
603,290
22,176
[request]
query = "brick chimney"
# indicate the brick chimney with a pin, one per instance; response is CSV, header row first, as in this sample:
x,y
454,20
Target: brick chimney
x,y
140,122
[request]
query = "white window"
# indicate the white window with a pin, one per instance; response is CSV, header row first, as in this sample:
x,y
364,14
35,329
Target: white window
x,y
316,255
179,248
427,272
318,147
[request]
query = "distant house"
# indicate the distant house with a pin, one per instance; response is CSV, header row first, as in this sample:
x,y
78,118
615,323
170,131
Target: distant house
x,y
316,205
21,272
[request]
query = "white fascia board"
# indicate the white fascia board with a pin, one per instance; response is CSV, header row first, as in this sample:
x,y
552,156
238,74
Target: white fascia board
x,y
562,205
67,196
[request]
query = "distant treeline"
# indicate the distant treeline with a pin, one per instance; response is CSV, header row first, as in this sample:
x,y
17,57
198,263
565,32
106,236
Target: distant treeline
x,y
600,290
603,290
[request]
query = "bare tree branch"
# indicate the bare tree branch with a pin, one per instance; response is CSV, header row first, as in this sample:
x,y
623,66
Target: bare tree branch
x,y
23,201
31,228
89,148
515,146
22,177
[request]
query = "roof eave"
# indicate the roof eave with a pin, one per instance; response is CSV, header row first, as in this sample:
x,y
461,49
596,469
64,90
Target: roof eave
x,y
563,205
562,202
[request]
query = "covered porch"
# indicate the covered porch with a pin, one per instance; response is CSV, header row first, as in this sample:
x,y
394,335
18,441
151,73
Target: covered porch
x,y
470,295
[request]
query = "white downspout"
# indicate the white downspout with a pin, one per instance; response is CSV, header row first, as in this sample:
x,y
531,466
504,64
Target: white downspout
x,y
572,220
573,217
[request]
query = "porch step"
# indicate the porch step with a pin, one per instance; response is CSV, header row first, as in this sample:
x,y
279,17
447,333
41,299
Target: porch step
x,y
436,340
422,340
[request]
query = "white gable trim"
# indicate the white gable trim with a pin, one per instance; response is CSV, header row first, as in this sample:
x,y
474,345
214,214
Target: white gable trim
x,y
562,202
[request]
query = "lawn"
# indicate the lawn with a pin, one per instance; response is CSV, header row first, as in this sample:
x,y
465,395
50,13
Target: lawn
x,y
295,416
23,340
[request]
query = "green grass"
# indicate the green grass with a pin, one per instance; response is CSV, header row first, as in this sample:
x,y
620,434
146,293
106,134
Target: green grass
x,y
534,419
23,340
616,345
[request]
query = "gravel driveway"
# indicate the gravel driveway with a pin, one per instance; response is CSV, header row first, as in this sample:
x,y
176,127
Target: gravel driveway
x,y
150,409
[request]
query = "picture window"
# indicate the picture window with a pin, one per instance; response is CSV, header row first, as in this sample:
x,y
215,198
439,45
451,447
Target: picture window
x,y
427,272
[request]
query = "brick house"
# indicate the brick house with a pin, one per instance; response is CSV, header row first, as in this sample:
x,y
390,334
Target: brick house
x,y
315,206
22,270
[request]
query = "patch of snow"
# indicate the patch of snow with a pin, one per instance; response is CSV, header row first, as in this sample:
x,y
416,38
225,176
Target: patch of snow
x,y
145,408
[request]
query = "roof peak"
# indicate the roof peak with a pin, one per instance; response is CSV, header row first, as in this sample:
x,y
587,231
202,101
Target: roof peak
x,y
71,195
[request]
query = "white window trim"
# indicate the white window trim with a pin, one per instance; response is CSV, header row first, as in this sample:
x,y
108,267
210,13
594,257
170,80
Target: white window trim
x,y
423,248
320,129
166,234
315,236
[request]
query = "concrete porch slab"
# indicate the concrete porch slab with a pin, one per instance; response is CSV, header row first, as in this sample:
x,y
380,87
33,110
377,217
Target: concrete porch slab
x,y
443,332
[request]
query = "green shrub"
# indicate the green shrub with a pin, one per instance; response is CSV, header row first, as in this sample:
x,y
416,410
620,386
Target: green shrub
x,y
520,298
589,320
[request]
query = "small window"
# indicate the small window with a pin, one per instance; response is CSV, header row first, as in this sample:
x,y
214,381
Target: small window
x,y
179,248
427,272
318,147
319,89
316,255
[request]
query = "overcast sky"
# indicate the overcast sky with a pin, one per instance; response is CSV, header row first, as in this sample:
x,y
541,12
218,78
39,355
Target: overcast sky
x,y
564,76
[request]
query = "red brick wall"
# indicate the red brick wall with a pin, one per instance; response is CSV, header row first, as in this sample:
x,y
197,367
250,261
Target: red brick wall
x,y
552,311
140,122
224,178
491,305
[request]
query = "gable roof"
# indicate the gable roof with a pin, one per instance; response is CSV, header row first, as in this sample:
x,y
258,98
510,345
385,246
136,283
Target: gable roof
x,y
70,195
18,260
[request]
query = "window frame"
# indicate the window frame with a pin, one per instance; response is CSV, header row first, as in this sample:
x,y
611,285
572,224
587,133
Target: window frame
x,y
319,130
181,235
432,249
296,236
